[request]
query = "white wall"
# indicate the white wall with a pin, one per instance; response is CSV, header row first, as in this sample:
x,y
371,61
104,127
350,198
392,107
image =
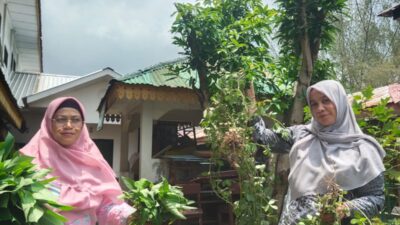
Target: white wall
x,y
89,95
109,132
154,168
8,40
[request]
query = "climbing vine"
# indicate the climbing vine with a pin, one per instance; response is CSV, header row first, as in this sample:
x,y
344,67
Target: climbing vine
x,y
226,123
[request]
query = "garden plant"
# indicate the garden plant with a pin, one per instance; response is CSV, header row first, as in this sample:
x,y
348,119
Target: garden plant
x,y
226,124
156,204
24,194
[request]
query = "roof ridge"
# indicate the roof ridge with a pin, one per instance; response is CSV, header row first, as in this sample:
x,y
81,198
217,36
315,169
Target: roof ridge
x,y
45,74
60,75
152,68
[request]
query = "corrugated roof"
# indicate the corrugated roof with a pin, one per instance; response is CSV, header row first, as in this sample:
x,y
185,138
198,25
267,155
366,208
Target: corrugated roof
x,y
161,75
392,92
24,84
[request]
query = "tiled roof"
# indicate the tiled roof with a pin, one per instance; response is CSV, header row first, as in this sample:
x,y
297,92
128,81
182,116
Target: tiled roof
x,y
161,75
24,84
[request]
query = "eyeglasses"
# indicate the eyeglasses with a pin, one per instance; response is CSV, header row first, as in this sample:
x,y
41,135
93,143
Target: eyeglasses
x,y
62,121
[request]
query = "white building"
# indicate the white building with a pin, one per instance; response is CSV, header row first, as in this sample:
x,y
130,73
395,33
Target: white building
x,y
132,108
35,91
20,49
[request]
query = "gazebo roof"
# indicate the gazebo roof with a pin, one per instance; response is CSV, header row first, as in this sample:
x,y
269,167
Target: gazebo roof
x,y
162,75
157,83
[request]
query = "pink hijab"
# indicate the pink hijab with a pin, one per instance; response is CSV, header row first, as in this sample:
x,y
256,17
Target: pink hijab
x,y
85,177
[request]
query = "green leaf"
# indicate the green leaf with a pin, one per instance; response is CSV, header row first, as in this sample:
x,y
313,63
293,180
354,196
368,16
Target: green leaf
x,y
27,203
6,147
5,215
45,195
4,198
35,214
129,184
52,218
39,174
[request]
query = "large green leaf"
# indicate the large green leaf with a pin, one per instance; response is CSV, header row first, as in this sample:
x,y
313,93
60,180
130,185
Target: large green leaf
x,y
6,147
27,203
156,203
52,218
24,190
35,214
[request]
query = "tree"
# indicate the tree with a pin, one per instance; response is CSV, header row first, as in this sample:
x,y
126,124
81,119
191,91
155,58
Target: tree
x,y
222,36
226,42
305,27
367,50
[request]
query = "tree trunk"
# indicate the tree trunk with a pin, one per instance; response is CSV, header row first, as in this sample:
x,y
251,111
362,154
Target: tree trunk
x,y
202,92
297,113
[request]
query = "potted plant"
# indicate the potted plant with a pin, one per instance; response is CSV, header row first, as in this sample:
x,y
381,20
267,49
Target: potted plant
x,y
156,204
24,194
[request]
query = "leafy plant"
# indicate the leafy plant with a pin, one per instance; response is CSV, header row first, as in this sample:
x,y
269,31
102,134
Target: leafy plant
x,y
222,36
24,194
155,203
229,136
382,123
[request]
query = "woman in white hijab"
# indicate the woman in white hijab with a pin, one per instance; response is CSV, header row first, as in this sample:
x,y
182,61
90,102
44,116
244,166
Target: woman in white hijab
x,y
330,151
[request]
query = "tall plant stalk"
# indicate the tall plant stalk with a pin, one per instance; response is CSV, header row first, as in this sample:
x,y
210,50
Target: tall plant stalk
x,y
226,125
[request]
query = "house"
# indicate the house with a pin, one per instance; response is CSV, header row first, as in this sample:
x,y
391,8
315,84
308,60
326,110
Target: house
x,y
20,49
153,107
393,11
35,91
390,92
26,90
10,113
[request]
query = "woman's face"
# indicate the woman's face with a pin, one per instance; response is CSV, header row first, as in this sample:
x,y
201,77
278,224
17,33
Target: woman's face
x,y
323,109
66,126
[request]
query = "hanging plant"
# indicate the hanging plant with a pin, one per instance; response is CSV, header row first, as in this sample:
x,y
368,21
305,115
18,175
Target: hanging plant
x,y
24,194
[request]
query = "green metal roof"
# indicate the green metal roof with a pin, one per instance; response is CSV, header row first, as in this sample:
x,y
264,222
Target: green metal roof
x,y
161,76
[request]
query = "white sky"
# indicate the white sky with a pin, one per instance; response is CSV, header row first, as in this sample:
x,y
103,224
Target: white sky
x,y
82,36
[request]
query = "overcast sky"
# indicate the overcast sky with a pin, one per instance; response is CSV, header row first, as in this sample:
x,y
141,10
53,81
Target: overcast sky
x,y
80,37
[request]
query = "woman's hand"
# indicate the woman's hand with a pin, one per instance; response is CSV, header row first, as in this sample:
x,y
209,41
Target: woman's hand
x,y
341,212
132,218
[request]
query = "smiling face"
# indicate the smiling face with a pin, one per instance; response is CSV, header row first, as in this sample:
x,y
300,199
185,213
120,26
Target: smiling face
x,y
322,108
66,126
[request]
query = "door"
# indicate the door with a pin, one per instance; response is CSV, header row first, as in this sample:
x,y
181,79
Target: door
x,y
106,147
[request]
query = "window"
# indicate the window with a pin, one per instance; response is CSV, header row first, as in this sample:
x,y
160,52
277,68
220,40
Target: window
x,y
5,59
106,147
13,63
172,134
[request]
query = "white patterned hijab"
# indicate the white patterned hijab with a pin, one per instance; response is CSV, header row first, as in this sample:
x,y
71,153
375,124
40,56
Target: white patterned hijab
x,y
338,154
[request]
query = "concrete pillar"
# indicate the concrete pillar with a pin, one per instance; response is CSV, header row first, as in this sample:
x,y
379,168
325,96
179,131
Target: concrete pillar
x,y
148,165
123,163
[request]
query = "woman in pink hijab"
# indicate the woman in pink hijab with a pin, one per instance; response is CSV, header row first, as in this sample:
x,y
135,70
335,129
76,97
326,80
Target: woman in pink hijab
x,y
84,179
